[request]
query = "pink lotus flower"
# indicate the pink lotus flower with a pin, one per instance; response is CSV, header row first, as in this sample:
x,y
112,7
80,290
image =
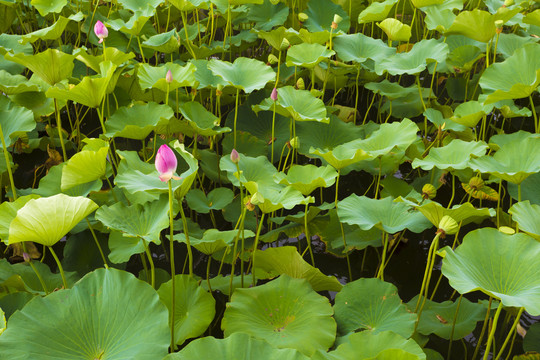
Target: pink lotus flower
x,y
166,163
101,31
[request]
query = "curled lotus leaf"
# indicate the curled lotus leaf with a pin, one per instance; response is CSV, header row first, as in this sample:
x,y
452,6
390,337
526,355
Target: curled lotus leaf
x,y
454,156
527,215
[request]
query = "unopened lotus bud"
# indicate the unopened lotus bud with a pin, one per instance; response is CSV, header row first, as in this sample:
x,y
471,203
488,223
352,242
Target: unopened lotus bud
x,y
26,257
169,77
499,26
101,31
429,191
447,226
272,59
235,157
284,44
248,204
274,95
302,17
219,90
295,142
337,20
508,3
300,84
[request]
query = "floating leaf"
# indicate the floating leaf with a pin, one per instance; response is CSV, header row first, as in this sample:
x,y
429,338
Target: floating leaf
x,y
306,178
137,121
244,73
414,61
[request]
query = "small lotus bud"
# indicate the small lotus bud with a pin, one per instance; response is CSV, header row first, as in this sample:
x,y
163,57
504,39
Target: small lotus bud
x,y
337,18
295,142
235,157
499,26
429,191
169,77
26,257
272,59
302,17
284,44
101,31
300,84
334,26
447,226
274,95
508,3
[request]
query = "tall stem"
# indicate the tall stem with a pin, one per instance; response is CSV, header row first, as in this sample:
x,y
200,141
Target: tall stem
x,y
151,261
97,244
59,126
255,244
173,275
60,268
190,254
492,332
236,114
514,326
8,164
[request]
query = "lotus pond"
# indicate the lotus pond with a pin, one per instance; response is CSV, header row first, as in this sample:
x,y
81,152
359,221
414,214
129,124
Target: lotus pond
x,y
264,179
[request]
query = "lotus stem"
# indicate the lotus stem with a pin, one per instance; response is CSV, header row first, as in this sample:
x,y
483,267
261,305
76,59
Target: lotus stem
x,y
535,116
43,285
190,254
427,274
492,332
453,191
273,132
173,270
60,268
306,232
97,243
59,126
512,330
380,273
356,98
484,325
8,164
240,231
255,245
140,49
453,327
151,261
236,115
341,226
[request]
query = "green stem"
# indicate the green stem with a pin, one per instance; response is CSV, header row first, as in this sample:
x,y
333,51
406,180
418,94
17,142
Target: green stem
x,y
380,273
514,326
97,243
60,268
484,325
427,270
35,270
306,232
236,115
453,327
493,329
255,245
152,267
173,271
536,123
59,126
190,254
453,191
8,164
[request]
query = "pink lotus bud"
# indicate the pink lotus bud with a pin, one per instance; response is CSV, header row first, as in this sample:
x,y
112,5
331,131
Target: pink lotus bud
x,y
166,163
235,157
26,257
273,96
101,31
168,77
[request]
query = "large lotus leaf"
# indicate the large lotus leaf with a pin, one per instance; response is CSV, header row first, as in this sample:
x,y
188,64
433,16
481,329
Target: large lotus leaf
x,y
499,140
50,184
111,54
286,312
307,55
258,170
414,61
286,260
270,199
516,77
134,26
321,14
372,304
189,5
438,318
194,307
201,121
145,222
462,213
376,11
500,265
10,43
359,47
244,73
367,345
385,214
52,32
15,121
267,15
454,156
470,113
84,167
90,91
306,178
342,155
122,247
136,5
50,65
238,346
509,43
529,189
204,76
46,220
137,121
513,162
395,29
8,211
45,7
299,105
15,84
275,37
531,342
527,215
477,24
154,76
167,43
99,317
213,240
216,199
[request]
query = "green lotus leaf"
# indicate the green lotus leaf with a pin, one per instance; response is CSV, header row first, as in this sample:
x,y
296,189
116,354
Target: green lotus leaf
x,y
395,91
424,3
244,73
299,105
529,189
2,321
384,214
45,7
52,32
46,220
470,113
513,162
499,140
342,155
154,76
135,24
195,308
267,15
214,240
82,326
438,318
516,77
135,5
286,312
189,5
90,91
372,304
438,19
246,144
376,11
509,43
273,262
437,118
306,178
454,156
216,199
321,14
270,199
15,121
137,121
395,29
367,345
202,121
527,215
462,213
204,76
258,170
500,265
167,43
307,55
50,65
238,346
15,84
8,211
359,47
531,342
532,18
477,24
10,43
414,61
462,58
84,167
139,221
122,247
112,54
50,184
